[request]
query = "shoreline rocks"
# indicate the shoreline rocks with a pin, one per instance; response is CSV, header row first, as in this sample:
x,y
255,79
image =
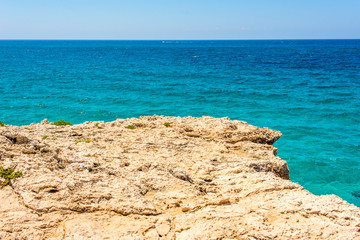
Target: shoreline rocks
x,y
161,178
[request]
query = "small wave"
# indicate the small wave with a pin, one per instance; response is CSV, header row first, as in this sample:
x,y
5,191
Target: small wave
x,y
325,86
328,100
339,115
356,194
84,99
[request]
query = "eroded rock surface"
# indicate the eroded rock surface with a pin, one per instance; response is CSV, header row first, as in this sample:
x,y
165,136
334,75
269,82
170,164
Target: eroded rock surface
x,y
169,178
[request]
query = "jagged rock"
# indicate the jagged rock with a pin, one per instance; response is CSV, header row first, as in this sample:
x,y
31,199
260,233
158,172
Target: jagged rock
x,y
198,178
45,121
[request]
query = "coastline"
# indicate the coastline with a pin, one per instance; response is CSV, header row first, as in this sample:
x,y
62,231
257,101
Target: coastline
x,y
160,177
301,92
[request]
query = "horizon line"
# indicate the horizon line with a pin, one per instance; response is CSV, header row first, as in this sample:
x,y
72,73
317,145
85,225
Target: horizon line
x,y
251,39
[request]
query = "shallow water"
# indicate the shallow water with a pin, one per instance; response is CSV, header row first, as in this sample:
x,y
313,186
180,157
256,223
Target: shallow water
x,y
307,89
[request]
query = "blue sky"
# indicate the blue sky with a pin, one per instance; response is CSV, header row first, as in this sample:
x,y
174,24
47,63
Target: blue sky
x,y
181,19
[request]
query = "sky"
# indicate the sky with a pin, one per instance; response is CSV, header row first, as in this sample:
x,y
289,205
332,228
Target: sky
x,y
180,19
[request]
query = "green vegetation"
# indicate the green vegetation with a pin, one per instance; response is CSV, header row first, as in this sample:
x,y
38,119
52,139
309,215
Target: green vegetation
x,y
2,124
85,141
130,127
8,174
44,137
168,124
61,123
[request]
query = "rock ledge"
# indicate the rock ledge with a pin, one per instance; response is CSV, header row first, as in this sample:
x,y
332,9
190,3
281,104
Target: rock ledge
x,y
169,178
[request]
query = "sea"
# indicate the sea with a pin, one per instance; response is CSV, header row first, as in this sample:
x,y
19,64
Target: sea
x,y
307,89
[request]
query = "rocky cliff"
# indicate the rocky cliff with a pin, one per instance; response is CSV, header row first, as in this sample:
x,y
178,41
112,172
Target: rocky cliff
x,y
159,178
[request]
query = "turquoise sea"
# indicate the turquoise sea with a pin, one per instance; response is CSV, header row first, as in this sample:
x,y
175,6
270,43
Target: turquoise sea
x,y
307,89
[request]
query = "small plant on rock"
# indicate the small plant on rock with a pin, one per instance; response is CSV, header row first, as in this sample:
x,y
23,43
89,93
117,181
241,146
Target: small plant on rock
x,y
9,174
2,124
130,127
168,124
44,137
61,123
85,141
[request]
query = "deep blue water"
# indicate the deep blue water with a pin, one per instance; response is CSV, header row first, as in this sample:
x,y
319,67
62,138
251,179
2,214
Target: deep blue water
x,y
307,89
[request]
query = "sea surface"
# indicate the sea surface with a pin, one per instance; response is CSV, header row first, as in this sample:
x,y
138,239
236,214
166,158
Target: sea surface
x,y
307,89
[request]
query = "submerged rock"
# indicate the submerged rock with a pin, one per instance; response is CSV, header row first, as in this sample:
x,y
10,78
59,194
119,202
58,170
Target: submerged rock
x,y
196,178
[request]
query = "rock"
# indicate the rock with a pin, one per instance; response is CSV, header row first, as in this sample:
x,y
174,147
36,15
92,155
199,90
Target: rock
x,y
201,178
16,139
163,229
45,121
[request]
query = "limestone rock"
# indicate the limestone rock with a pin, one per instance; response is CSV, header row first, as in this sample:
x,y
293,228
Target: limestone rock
x,y
45,121
196,178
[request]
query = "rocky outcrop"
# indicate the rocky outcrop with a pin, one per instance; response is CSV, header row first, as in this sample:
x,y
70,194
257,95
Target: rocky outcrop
x,y
159,178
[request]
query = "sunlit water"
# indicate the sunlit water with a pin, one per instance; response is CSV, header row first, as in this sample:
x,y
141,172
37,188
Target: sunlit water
x,y
309,90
